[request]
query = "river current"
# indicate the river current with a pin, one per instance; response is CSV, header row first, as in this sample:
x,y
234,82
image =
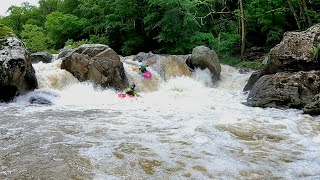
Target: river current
x,y
186,127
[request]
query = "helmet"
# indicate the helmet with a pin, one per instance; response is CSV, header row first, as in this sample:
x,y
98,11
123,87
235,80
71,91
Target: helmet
x,y
133,86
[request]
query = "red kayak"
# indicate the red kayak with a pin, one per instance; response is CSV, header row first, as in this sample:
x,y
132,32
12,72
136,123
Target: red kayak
x,y
124,95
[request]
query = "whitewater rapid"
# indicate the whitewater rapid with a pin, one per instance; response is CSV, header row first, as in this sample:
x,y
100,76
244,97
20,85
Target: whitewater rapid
x,y
183,128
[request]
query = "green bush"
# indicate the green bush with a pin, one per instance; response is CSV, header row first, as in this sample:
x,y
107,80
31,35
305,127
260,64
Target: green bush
x,y
75,44
236,62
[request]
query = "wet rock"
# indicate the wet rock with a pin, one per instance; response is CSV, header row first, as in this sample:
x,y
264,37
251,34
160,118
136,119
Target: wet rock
x,y
66,51
202,57
17,76
97,63
253,79
39,100
313,108
298,51
44,57
167,66
290,78
285,90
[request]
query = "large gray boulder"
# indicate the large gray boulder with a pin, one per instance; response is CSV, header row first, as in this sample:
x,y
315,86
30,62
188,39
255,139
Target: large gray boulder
x,y
290,78
97,63
203,57
17,75
298,51
285,90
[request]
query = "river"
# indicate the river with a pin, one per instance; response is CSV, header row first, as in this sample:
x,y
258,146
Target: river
x,y
185,127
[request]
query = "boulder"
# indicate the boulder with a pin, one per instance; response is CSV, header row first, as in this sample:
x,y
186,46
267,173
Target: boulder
x,y
167,66
97,63
39,100
202,57
253,79
66,51
285,90
44,57
290,78
298,51
17,75
313,108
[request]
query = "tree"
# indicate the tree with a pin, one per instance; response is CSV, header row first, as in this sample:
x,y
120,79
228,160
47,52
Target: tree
x,y
243,29
175,26
61,27
294,14
48,6
35,38
18,16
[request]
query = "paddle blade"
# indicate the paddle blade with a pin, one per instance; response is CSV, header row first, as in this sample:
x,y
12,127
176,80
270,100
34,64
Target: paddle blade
x,y
134,68
150,63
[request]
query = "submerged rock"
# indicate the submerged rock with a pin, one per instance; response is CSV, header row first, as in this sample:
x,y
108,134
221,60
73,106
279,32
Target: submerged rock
x,y
39,100
43,97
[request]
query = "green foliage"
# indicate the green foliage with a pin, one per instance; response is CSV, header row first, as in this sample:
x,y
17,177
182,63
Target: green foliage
x,y
161,26
35,38
26,14
315,52
178,31
254,65
48,6
70,6
236,62
98,39
75,44
225,42
268,17
61,27
5,31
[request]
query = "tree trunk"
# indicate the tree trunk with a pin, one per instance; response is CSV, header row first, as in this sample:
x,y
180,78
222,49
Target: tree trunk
x,y
294,14
305,9
243,29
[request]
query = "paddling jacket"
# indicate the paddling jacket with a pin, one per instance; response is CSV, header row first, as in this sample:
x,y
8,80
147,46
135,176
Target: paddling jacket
x,y
131,92
143,68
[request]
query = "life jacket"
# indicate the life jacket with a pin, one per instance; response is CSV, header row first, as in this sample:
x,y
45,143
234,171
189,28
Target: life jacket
x,y
143,68
130,91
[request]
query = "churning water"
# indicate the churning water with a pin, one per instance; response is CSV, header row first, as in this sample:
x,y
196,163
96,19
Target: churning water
x,y
182,128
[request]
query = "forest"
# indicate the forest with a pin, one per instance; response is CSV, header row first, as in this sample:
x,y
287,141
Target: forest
x,y
245,29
